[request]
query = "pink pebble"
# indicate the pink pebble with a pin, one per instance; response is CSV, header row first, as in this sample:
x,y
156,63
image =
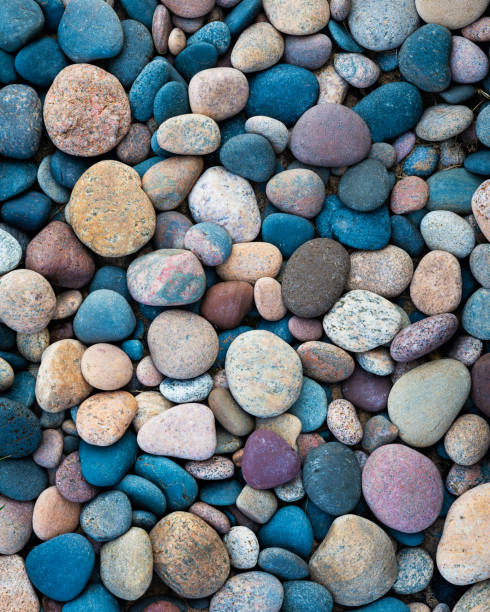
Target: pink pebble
x,y
409,194
468,63
48,454
478,31
403,145
147,374
305,330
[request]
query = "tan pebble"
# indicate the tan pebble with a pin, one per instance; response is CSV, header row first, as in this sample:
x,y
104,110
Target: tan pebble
x,y
16,590
325,362
285,425
418,607
436,285
48,453
237,457
67,304
54,515
297,17
268,299
409,194
190,134
480,204
168,182
220,380
149,404
258,47
160,28
229,414
214,517
176,41
259,506
103,418
32,346
147,374
475,599
6,375
343,422
15,525
468,439
250,261
218,93
452,14
106,367
333,88
305,330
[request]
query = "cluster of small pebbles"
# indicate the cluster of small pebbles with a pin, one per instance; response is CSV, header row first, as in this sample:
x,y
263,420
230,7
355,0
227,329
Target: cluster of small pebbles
x,y
244,305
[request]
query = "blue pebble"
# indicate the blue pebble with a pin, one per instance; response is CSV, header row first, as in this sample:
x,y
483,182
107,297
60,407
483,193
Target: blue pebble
x,y
386,604
28,212
306,596
144,89
143,494
390,110
283,92
136,52
23,389
441,451
149,312
7,338
143,166
232,127
280,328
405,235
458,94
452,190
139,330
360,230
469,283
22,479
21,237
416,316
157,149
171,100
144,519
95,598
7,68
105,466
20,429
141,10
311,406
51,420
15,177
20,20
278,532
476,314
225,338
40,61
447,502
16,361
107,516
20,121
113,278
286,232
48,184
424,58
90,30
406,539
197,57
179,486
216,33
67,169
483,125
282,563
365,186
250,156
134,349
342,37
104,316
242,15
220,492
53,12
422,161
70,559
387,61
320,521
478,163
416,216
70,444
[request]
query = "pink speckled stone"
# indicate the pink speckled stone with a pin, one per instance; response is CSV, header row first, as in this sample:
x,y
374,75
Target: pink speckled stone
x,y
478,31
147,374
307,442
214,517
268,299
403,145
103,418
343,422
366,390
48,454
423,337
468,63
86,111
305,330
298,191
402,487
15,525
160,28
70,482
409,194
215,468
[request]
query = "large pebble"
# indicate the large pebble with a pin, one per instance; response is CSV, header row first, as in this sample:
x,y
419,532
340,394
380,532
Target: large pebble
x,y
296,16
446,231
468,62
249,591
106,367
103,418
453,14
250,261
15,525
423,337
259,47
54,515
468,439
191,134
218,93
436,285
443,121
358,70
20,121
386,272
17,590
168,182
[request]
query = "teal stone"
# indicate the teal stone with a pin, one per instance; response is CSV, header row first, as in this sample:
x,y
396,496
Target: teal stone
x,y
7,338
306,596
422,161
61,567
387,61
16,361
23,389
415,568
280,328
105,466
385,604
282,563
171,100
53,12
110,277
20,430
225,338
220,492
134,349
278,533
67,169
95,598
447,502
197,57
452,190
144,519
28,212
320,521
365,186
242,16
157,149
136,52
143,166
51,420
407,539
342,37
250,156
7,68
476,314
22,479
15,177
107,516
141,10
20,20
286,232
458,94
40,61
179,486
70,444
424,58
145,87
478,163
216,33
483,125
390,110
311,406
283,92
143,494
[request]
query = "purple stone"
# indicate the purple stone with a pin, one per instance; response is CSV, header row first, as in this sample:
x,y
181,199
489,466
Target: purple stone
x,y
423,337
367,391
268,461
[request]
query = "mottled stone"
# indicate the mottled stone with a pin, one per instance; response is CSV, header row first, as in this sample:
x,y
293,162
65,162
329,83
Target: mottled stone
x,y
333,88
259,506
150,403
242,546
183,391
191,134
386,272
275,131
170,231
48,454
135,146
249,591
409,194
10,252
466,349
325,362
475,599
70,481
16,590
453,14
298,17
468,439
480,205
415,569
161,27
377,432
147,374
478,31
469,63
216,468
67,303
15,525
218,93
436,284
250,261
423,337
106,367
167,183
54,515
444,230
358,70
103,418
343,422
443,121
377,361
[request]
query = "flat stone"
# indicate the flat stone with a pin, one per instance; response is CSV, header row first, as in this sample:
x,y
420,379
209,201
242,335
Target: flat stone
x,y
453,15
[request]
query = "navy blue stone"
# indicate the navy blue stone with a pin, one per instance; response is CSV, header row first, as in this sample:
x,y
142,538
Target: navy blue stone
x,y
16,361
22,479
283,563
332,478
15,177
20,121
23,389
7,68
342,37
311,405
365,186
225,338
280,328
197,57
70,444
20,20
143,166
277,532
143,494
180,487
283,92
7,338
386,604
220,492
113,278
51,420
104,316
70,559
136,52
216,33
67,169
28,212
95,598
424,58
40,61
478,163
306,596
422,161
141,10
390,110
458,94
287,232
250,156
90,30
104,466
144,519
416,216
452,190
144,89
53,12
134,349
171,100
20,430
387,61
242,15
405,235
107,516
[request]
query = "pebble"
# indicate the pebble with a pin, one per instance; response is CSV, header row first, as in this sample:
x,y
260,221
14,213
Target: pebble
x,y
272,129
106,367
210,242
106,465
202,135
298,191
277,533
465,349
107,516
415,569
226,304
170,231
443,121
423,337
150,403
54,515
15,525
367,391
70,481
468,62
6,375
216,519
310,52
48,453
10,252
453,15
474,598
268,299
353,541
445,231
452,190
248,155
480,205
333,88
343,422
218,93
147,374
467,440
384,153
183,391
377,432
436,283
243,547
249,591
376,361
258,47
305,329
259,506
20,122
17,589
251,261
358,70
386,272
